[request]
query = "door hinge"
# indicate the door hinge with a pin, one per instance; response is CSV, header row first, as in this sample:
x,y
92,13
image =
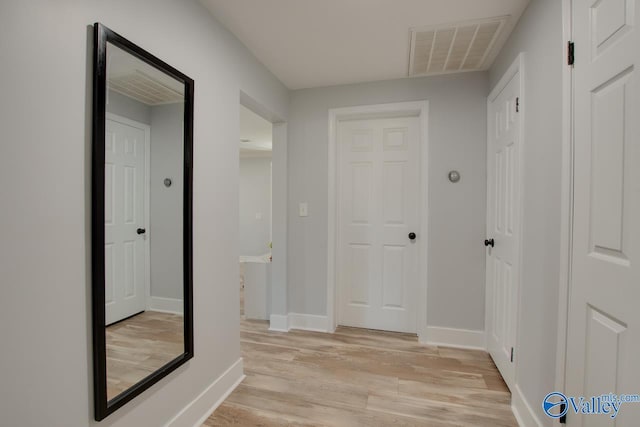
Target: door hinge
x,y
517,104
511,354
571,53
563,419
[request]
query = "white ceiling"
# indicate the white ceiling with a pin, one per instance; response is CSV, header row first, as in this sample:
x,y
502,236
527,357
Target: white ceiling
x,y
255,134
311,43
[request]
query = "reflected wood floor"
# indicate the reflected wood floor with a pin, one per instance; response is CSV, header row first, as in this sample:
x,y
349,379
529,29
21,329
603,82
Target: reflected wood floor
x,y
359,377
138,346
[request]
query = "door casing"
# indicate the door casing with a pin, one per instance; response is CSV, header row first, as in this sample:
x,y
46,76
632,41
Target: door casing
x,y
566,225
416,109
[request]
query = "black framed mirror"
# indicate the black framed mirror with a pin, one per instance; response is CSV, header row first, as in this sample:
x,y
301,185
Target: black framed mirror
x,y
142,290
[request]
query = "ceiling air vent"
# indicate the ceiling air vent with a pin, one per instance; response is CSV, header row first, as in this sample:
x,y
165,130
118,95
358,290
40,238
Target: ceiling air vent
x,y
454,47
144,88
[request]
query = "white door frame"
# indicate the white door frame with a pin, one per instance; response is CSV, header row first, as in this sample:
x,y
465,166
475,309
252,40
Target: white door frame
x,y
147,190
566,202
517,67
402,109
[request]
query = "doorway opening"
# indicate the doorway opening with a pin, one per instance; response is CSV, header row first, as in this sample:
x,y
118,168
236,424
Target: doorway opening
x,y
255,213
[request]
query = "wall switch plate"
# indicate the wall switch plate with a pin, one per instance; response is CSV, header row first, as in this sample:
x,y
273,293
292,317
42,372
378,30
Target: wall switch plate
x,y
304,209
259,215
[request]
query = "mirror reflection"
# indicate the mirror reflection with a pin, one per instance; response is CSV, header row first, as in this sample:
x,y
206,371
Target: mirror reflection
x,y
144,227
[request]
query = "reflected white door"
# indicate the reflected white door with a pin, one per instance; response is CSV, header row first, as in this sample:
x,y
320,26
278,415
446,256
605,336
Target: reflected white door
x,y
125,256
603,341
378,207
503,225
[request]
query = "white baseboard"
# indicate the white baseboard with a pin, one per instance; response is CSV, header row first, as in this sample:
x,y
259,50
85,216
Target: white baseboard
x,y
166,305
305,322
522,410
279,323
459,338
308,322
199,409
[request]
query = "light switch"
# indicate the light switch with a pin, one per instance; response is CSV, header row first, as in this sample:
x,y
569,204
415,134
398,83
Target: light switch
x,y
304,209
259,215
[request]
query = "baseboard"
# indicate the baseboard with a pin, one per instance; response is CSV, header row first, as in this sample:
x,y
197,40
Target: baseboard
x,y
459,338
522,410
166,305
308,322
200,408
279,323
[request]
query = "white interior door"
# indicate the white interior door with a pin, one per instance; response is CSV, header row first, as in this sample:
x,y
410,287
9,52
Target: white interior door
x,y
379,201
603,339
125,270
503,225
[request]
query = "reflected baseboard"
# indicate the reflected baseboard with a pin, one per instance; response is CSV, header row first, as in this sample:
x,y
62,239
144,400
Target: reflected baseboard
x,y
166,305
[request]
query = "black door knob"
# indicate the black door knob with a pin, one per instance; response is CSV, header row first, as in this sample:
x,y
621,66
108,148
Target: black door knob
x,y
412,236
141,231
489,242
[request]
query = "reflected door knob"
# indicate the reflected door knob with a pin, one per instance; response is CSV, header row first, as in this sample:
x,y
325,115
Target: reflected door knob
x,y
412,236
141,231
489,242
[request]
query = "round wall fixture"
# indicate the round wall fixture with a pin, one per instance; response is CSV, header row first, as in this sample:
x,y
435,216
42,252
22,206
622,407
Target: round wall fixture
x,y
167,182
454,176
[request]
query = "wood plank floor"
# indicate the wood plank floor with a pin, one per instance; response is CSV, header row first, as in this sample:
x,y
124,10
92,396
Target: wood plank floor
x,y
140,345
359,377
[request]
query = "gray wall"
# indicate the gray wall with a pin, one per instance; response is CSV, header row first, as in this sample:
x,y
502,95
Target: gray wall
x,y
255,197
124,106
539,36
45,217
457,140
166,203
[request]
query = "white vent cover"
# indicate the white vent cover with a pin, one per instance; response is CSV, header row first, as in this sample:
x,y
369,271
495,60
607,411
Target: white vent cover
x,y
144,88
455,47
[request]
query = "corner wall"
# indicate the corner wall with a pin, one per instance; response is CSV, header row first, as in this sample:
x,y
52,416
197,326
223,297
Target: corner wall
x,y
457,140
45,117
539,36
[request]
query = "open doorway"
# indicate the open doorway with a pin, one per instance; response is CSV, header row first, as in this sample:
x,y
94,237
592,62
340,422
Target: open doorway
x,y
255,213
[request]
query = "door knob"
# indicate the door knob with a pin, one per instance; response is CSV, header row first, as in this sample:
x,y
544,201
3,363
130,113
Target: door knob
x,y
141,231
489,242
412,236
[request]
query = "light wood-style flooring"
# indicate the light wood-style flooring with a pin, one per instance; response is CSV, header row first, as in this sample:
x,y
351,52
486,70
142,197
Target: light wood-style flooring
x,y
138,346
358,377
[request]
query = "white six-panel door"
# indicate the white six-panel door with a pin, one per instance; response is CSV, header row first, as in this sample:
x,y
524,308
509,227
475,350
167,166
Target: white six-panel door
x,y
379,202
125,268
603,337
503,223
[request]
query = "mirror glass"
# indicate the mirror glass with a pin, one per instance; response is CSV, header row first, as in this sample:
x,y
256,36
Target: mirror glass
x,y
142,240
143,220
